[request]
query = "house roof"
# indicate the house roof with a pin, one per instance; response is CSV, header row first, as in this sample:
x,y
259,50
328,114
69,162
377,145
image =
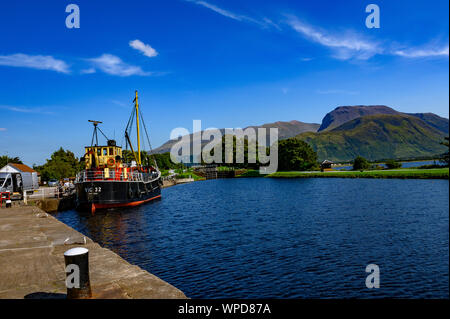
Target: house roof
x,y
22,167
327,162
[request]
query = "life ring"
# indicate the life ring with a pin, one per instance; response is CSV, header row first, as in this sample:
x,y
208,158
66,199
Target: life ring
x,y
111,162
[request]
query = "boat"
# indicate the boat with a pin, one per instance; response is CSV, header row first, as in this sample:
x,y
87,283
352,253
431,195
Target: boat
x,y
113,177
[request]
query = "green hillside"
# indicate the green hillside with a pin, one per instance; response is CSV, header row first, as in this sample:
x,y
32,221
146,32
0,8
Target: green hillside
x,y
377,137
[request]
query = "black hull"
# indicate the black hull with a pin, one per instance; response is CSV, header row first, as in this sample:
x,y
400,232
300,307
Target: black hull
x,y
94,195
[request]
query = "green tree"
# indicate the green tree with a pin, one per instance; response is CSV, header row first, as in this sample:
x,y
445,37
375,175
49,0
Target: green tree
x,y
392,164
360,163
295,155
231,156
162,160
62,164
445,156
5,160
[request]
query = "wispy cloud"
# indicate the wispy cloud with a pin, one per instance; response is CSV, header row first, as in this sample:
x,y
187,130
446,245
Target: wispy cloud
x,y
269,23
21,109
345,46
88,71
221,11
40,62
3,129
113,65
337,91
119,103
145,49
422,52
263,23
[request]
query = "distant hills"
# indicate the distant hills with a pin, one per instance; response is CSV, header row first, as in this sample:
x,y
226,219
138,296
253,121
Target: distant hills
x,y
285,130
372,131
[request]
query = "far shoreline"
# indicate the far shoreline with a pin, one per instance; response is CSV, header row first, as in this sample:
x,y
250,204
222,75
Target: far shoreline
x,y
433,173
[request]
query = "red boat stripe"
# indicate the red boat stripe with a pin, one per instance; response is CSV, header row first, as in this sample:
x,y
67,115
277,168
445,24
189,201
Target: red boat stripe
x,y
95,206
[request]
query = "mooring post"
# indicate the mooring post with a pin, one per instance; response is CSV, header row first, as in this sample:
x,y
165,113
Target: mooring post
x,y
77,273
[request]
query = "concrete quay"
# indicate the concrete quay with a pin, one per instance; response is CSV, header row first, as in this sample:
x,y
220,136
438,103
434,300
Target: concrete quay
x,y
32,244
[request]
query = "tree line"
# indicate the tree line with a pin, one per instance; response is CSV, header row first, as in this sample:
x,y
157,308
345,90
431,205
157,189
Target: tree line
x,y
293,155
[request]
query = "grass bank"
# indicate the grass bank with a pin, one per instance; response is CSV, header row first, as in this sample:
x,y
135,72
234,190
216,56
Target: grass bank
x,y
189,175
251,173
435,173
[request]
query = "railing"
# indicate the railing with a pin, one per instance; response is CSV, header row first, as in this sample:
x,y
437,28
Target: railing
x,y
46,192
116,176
51,192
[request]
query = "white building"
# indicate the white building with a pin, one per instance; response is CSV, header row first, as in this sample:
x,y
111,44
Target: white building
x,y
29,175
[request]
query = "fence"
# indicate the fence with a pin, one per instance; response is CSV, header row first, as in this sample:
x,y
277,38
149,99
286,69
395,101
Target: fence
x,y
46,192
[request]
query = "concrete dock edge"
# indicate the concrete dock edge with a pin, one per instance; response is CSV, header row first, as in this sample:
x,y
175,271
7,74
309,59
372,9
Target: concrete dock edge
x,y
32,244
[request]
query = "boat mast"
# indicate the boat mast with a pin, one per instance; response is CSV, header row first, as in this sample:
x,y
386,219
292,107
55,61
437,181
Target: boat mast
x,y
137,124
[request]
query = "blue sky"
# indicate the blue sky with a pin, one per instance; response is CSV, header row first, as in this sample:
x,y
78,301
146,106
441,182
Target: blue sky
x,y
228,63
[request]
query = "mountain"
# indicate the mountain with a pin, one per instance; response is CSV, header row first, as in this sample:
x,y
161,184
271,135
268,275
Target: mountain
x,y
343,114
379,136
290,129
434,120
285,130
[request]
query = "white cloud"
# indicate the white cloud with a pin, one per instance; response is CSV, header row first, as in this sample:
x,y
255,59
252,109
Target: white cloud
x,y
21,109
422,53
113,65
146,49
221,11
119,103
2,129
269,23
40,62
88,71
345,47
264,23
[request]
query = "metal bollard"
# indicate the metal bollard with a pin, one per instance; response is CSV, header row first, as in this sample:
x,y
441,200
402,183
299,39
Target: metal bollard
x,y
77,273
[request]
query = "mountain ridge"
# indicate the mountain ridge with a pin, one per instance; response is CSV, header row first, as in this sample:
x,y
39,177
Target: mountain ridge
x,y
376,131
285,130
378,136
343,114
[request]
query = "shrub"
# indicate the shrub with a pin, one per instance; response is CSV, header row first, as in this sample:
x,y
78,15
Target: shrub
x,y
360,163
391,164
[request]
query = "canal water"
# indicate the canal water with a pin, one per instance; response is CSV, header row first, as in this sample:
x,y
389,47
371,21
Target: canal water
x,y
404,165
297,238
